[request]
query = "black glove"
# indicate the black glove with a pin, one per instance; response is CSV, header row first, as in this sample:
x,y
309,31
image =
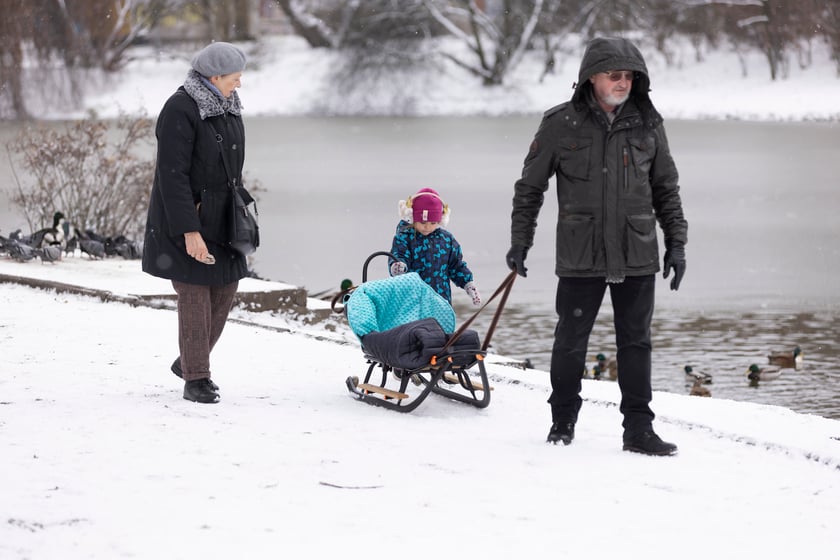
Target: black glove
x,y
516,259
675,258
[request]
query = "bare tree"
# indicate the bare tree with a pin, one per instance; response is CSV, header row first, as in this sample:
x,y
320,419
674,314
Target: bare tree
x,y
228,20
829,23
50,39
496,40
322,28
769,25
26,31
95,173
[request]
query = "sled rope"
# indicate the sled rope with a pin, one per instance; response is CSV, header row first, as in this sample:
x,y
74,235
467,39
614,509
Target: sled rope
x,y
504,289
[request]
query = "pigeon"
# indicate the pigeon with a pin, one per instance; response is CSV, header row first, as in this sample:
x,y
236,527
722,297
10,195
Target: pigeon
x,y
122,246
20,252
49,253
93,248
71,246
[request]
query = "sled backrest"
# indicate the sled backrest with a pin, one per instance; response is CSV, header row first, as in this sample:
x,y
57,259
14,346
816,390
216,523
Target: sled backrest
x,y
379,305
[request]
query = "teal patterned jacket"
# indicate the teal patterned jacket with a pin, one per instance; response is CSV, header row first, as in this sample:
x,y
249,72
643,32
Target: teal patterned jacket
x,y
436,257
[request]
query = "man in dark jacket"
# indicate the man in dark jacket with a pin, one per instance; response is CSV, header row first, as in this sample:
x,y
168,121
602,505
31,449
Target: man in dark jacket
x,y
615,179
187,229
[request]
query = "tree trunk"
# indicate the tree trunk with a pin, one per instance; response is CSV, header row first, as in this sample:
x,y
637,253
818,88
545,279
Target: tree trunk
x,y
242,21
305,27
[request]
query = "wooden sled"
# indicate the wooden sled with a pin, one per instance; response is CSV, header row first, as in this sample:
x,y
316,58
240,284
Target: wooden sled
x,y
450,378
453,367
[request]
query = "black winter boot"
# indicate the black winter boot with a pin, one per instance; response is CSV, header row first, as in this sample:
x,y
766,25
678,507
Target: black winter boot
x,y
200,391
649,443
561,431
176,369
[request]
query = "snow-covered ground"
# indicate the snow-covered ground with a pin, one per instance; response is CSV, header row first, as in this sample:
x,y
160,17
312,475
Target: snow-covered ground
x,y
102,457
286,77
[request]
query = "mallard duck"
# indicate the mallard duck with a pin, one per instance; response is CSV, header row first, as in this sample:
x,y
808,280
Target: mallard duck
x,y
786,359
697,389
608,365
329,294
48,236
756,374
693,376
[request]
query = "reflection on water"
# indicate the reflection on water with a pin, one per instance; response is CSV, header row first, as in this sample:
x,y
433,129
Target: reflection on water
x,y
722,343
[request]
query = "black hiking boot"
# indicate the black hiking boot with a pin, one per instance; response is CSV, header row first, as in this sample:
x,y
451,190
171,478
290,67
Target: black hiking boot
x,y
648,443
200,391
561,431
176,369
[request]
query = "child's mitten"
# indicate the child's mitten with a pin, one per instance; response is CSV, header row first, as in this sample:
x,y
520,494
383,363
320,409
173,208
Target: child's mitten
x,y
472,291
397,268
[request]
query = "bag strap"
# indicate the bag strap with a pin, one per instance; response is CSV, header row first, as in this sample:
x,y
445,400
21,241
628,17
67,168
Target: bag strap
x,y
219,139
231,180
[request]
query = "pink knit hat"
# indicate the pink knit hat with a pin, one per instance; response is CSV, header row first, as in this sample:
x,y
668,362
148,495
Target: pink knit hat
x,y
427,206
424,206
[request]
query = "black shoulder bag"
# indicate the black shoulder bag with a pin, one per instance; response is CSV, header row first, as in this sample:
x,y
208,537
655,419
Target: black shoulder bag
x,y
244,227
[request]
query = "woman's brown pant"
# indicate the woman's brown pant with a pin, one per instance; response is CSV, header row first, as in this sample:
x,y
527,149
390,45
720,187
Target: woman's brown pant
x,y
202,314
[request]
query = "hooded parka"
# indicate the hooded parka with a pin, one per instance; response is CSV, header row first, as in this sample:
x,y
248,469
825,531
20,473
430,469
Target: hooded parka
x,y
614,180
191,193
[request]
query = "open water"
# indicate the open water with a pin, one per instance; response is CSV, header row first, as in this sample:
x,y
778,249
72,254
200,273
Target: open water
x,y
761,199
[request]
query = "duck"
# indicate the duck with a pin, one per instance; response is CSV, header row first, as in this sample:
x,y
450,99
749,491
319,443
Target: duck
x,y
329,294
756,374
55,235
698,390
792,359
694,376
594,373
609,365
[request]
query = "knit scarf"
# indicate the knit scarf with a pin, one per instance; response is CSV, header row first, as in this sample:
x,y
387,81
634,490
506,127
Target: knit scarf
x,y
210,103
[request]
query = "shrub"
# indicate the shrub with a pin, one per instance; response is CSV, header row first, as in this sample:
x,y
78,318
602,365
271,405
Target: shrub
x,y
93,171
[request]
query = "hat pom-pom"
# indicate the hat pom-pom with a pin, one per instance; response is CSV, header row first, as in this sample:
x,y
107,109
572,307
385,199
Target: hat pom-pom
x,y
406,214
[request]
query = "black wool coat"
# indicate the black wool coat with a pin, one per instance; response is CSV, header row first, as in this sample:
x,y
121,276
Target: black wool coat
x,y
191,193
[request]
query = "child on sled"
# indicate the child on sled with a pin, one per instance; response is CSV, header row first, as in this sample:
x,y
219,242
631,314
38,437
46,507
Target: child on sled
x,y
422,245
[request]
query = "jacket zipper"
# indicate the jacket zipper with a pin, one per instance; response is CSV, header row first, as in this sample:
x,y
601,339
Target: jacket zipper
x,y
604,217
626,157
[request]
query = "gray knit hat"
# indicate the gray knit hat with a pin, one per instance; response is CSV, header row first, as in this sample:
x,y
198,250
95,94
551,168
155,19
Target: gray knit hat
x,y
219,59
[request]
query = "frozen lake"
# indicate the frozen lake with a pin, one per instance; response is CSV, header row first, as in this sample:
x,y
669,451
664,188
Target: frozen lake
x,y
763,255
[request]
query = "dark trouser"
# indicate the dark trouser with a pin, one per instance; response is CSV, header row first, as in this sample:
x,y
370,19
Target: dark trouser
x,y
202,314
578,302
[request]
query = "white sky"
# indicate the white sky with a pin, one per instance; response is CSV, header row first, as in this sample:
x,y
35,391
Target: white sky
x,y
102,458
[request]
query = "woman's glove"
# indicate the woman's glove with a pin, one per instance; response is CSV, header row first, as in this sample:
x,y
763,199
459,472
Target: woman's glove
x,y
472,291
397,268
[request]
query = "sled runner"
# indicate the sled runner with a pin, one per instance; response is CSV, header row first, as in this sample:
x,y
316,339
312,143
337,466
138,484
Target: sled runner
x,y
408,337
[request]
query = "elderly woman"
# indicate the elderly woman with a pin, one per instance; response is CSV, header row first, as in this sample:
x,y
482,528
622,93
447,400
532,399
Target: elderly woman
x,y
187,223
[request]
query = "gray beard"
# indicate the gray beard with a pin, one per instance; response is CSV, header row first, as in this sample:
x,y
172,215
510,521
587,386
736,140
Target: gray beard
x,y
616,101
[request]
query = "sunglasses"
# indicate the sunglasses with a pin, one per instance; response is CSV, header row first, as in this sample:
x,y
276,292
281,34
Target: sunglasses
x,y
620,74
